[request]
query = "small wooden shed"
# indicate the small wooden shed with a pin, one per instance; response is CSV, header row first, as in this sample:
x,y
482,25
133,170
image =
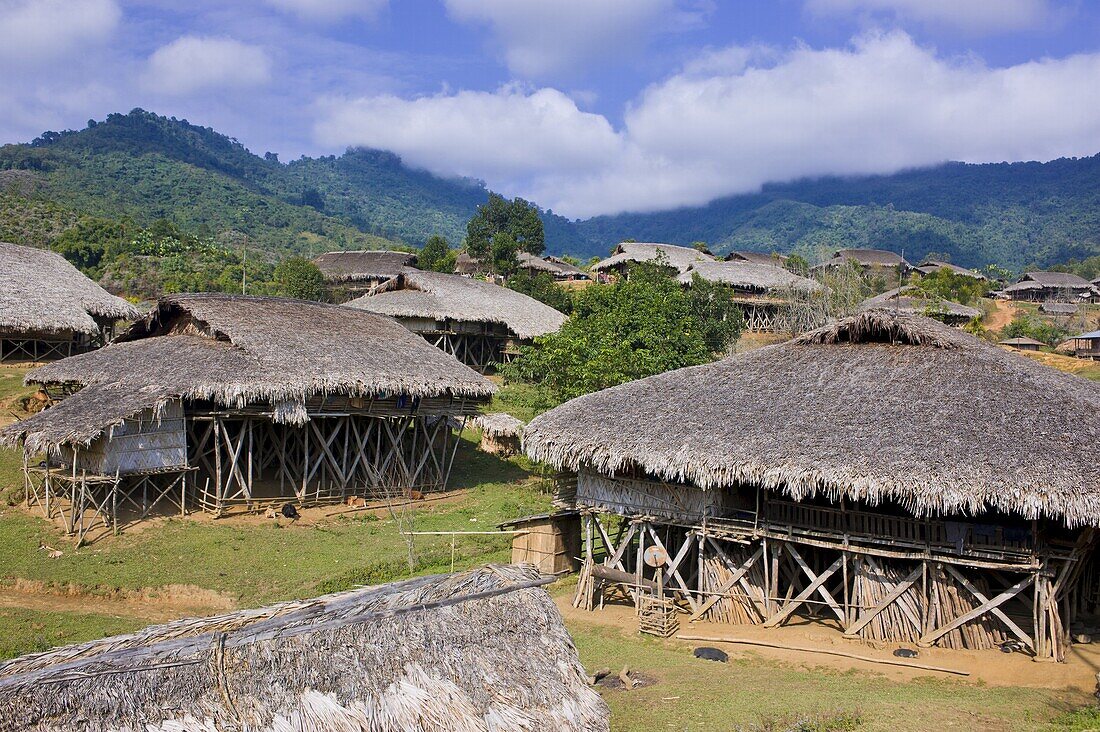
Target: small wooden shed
x,y
550,541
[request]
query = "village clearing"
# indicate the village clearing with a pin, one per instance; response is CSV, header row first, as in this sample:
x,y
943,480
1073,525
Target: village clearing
x,y
175,567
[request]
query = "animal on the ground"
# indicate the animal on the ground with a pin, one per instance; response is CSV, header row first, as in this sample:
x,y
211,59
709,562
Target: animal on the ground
x,y
711,654
290,512
905,653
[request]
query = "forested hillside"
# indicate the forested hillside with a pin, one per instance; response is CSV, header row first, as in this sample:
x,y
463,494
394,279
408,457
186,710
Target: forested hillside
x,y
140,167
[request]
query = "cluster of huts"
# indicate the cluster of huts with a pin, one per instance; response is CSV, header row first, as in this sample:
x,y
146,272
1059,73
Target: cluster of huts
x,y
878,491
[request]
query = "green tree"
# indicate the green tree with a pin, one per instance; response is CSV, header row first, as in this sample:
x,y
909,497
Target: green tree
x,y
518,218
542,287
1027,325
299,278
502,253
436,255
943,284
633,328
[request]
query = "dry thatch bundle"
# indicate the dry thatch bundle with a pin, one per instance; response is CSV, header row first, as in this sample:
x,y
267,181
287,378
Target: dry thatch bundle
x,y
498,424
750,276
41,292
359,266
417,294
678,257
236,350
909,300
480,651
875,407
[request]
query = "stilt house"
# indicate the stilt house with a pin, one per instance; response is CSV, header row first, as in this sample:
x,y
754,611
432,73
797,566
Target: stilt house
x,y
1052,286
482,650
213,401
876,489
49,310
350,274
676,257
479,323
762,290
871,261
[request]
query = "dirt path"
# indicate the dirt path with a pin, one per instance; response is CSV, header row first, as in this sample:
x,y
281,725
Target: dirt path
x,y
157,605
1002,314
986,667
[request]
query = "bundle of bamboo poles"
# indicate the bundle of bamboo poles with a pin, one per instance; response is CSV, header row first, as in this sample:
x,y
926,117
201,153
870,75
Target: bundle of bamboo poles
x,y
898,622
742,604
948,600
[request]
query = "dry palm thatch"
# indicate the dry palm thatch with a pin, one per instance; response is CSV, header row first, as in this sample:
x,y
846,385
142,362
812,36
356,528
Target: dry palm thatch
x,y
480,651
499,424
535,263
417,294
41,292
757,257
357,266
868,258
875,407
751,276
677,257
236,350
933,265
909,300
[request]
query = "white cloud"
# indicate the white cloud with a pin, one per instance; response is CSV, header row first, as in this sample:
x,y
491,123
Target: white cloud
x,y
882,104
330,11
502,135
37,30
543,37
973,16
196,63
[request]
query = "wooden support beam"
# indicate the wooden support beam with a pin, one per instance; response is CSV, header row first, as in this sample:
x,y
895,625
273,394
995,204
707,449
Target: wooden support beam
x,y
736,577
801,597
931,637
821,589
898,591
981,598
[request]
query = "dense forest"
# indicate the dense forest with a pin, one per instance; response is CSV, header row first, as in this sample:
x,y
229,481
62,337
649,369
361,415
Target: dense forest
x,y
141,167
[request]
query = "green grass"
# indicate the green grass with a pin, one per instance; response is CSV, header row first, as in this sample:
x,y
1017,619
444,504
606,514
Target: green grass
x,y
27,631
752,692
522,401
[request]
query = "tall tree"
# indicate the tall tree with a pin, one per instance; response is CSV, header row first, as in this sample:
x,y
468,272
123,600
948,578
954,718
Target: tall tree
x,y
436,255
518,218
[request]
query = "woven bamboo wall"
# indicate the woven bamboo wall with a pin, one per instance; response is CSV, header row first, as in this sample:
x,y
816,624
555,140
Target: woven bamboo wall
x,y
627,496
141,444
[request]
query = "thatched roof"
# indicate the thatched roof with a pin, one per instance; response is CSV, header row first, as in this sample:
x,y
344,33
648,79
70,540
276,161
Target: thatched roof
x,y
417,294
40,291
479,651
499,424
567,268
1020,341
1091,336
868,258
538,264
235,350
933,265
909,300
746,275
465,264
357,266
678,257
874,407
1058,308
1055,279
757,257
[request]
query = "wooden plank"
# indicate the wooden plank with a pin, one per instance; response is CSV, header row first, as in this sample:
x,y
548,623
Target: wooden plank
x,y
898,591
929,638
821,590
729,583
798,599
1024,637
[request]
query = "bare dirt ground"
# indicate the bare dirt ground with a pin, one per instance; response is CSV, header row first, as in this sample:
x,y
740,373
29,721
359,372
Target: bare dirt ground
x,y
1000,315
991,668
155,606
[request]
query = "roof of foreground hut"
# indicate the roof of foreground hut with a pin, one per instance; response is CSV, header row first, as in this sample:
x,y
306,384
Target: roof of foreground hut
x,y
908,299
356,266
480,650
234,350
874,407
42,291
750,276
417,294
678,257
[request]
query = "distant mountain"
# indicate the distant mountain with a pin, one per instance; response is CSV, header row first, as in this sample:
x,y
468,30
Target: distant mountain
x,y
142,166
1014,215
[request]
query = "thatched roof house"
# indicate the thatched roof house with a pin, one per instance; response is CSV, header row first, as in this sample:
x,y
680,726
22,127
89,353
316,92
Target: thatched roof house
x,y
868,259
1022,344
49,309
467,265
812,437
470,318
483,650
775,258
849,467
1059,308
750,277
270,366
568,270
355,272
500,433
933,265
1065,286
676,257
909,300
558,268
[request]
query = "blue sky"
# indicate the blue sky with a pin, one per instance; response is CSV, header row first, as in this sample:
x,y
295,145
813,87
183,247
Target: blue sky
x,y
585,106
